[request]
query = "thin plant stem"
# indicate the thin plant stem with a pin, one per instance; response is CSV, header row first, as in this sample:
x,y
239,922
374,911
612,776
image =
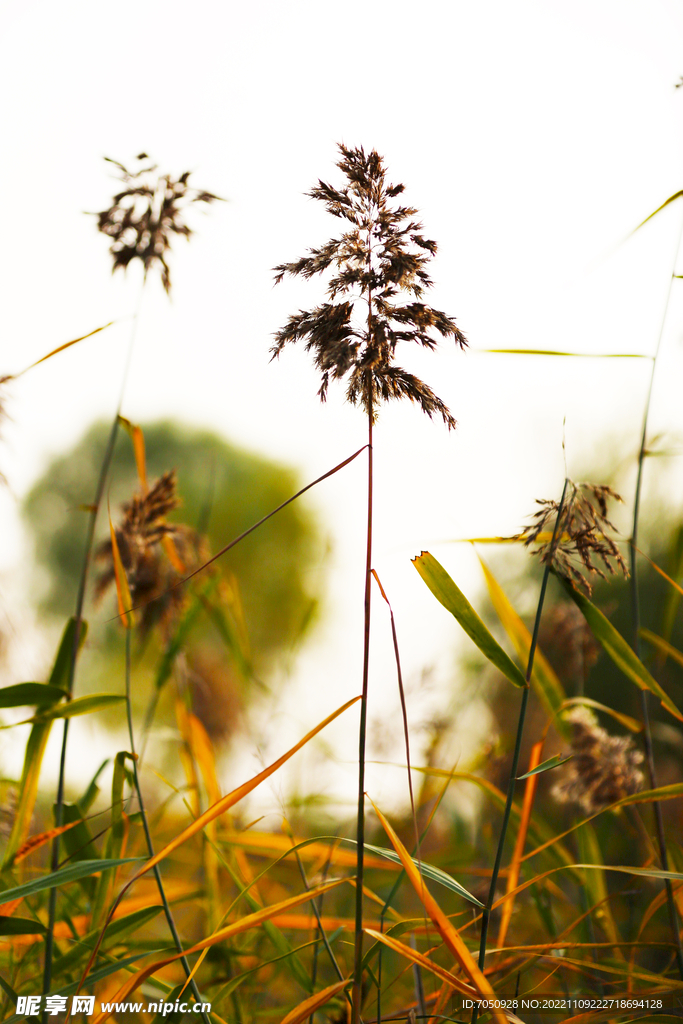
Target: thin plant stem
x,y
245,533
635,621
78,616
360,825
148,836
486,914
417,970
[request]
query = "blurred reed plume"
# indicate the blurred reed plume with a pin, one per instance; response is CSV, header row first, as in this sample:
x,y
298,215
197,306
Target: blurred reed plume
x,y
381,254
146,214
154,553
581,535
603,769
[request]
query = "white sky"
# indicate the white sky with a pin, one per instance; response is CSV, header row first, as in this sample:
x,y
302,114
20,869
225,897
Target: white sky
x,y
532,136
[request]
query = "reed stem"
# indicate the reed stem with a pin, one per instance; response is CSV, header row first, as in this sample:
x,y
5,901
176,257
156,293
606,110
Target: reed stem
x,y
360,825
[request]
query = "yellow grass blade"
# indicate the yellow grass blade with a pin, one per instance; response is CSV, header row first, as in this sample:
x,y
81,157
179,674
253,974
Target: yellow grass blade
x,y
265,843
443,925
544,679
418,958
314,1002
662,645
515,863
122,591
244,924
630,723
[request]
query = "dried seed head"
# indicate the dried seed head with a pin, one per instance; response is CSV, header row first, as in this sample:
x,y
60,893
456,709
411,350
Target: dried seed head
x,y
579,535
379,257
603,769
154,553
146,214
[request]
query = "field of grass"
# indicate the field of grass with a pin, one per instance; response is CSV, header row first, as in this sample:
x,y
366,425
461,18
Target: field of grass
x,y
561,900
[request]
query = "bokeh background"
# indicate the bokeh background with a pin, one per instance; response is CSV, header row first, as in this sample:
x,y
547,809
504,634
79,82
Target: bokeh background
x,y
533,138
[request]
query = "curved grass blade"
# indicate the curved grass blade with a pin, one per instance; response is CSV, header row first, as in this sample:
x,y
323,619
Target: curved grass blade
x,y
61,348
619,651
122,590
629,723
546,766
71,873
223,805
314,1002
37,742
20,926
662,645
418,958
72,709
451,597
30,694
443,925
431,872
516,859
544,680
667,202
244,924
571,355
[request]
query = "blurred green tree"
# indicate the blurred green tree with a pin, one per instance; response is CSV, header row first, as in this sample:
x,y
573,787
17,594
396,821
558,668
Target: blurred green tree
x,y
223,490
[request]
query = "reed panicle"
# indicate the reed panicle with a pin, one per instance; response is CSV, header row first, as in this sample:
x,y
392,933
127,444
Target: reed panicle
x,y
377,277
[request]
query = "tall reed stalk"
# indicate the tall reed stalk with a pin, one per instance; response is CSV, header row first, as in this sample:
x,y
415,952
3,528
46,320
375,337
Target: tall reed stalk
x,y
381,256
143,218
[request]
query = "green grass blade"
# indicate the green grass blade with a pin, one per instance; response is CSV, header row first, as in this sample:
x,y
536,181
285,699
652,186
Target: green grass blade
x,y
20,926
428,870
24,694
571,355
71,873
545,766
619,651
452,598
671,199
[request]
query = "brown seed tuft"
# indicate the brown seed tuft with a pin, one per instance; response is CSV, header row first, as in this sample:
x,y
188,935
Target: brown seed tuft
x,y
603,769
152,567
580,534
379,257
146,214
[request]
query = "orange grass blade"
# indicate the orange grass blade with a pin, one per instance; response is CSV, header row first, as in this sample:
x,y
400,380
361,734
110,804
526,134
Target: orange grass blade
x,y
314,1002
121,580
35,842
448,933
224,804
243,925
138,439
214,812
515,863
418,958
61,348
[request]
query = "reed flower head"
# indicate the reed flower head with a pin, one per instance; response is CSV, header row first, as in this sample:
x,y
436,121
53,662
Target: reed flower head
x,y
580,534
378,267
154,553
146,214
603,769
